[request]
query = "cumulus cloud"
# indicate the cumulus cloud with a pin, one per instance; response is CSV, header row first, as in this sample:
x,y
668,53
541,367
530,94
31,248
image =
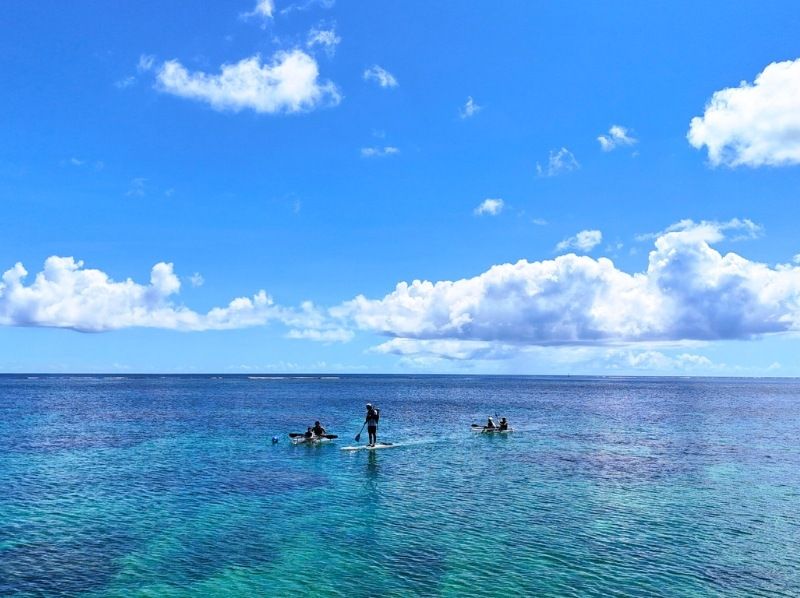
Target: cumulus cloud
x,y
689,292
325,38
470,109
381,76
65,294
617,137
559,161
289,83
586,240
754,124
379,152
490,206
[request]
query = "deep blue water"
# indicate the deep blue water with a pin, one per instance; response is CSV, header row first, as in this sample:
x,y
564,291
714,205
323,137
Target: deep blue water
x,y
149,485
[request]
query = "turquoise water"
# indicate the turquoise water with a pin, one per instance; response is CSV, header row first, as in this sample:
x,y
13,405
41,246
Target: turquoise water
x,y
169,486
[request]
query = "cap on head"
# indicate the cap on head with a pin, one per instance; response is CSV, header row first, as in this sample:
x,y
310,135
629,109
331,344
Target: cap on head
x,y
316,423
369,405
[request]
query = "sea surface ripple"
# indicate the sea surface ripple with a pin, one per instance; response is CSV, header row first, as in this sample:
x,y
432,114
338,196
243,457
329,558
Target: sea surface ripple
x,y
170,486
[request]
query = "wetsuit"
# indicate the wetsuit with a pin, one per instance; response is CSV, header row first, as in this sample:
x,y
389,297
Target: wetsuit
x,y
373,415
318,430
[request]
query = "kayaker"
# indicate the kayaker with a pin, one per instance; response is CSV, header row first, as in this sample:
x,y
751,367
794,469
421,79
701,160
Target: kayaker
x,y
318,430
503,424
373,415
309,433
490,425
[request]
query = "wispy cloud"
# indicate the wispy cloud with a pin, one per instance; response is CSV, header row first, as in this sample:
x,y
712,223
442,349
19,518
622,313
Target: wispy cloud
x,y
289,83
470,108
303,6
196,280
754,124
585,240
491,207
137,187
146,63
325,38
618,136
379,152
381,76
125,82
263,10
559,162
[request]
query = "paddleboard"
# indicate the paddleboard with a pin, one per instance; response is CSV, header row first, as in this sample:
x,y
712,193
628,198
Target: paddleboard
x,y
366,447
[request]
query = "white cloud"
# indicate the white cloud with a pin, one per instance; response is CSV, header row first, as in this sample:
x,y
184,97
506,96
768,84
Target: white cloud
x,y
586,240
470,108
490,206
617,137
326,38
303,6
263,10
137,187
689,292
381,76
125,82
146,63
559,162
68,295
754,124
333,335
290,83
196,280
539,221
379,152
711,231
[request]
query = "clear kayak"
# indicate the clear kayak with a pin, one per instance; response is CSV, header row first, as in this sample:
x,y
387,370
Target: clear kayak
x,y
485,430
312,439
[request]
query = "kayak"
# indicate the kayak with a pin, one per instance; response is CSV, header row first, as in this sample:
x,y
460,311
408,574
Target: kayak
x,y
312,440
300,438
485,430
367,447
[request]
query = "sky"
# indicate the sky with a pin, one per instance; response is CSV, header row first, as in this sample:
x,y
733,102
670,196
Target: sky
x,y
383,187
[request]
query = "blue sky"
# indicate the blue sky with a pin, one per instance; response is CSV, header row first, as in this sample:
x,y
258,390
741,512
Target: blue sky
x,y
322,151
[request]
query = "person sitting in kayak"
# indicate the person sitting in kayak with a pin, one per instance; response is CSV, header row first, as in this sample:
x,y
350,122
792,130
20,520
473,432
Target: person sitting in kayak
x,y
490,425
318,430
309,433
373,415
503,424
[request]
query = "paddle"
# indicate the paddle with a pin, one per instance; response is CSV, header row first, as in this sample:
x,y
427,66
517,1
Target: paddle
x,y
300,434
358,436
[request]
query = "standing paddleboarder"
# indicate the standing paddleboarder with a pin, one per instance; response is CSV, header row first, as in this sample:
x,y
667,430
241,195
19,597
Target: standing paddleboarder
x,y
373,415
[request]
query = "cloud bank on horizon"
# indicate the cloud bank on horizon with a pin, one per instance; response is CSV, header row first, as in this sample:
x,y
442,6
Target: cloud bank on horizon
x,y
689,292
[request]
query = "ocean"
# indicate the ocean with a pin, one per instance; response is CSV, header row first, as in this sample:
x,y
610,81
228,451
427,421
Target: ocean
x,y
171,486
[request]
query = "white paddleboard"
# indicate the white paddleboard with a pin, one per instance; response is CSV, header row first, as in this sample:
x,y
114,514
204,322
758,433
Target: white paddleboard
x,y
366,447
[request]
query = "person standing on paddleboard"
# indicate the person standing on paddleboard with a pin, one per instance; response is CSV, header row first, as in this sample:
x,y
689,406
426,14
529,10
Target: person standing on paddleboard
x,y
373,415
